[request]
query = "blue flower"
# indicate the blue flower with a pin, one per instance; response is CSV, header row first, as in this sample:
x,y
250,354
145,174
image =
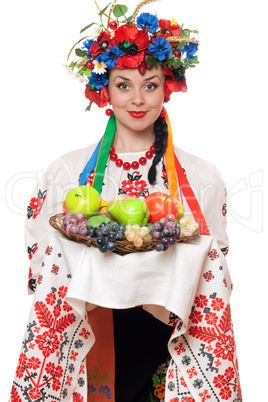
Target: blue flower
x,y
92,388
190,50
87,45
97,81
147,20
110,57
105,390
161,48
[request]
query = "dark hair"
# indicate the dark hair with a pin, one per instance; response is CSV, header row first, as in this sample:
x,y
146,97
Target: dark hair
x,y
160,145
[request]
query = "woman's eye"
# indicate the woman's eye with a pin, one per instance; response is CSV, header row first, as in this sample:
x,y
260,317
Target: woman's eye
x,y
151,86
123,86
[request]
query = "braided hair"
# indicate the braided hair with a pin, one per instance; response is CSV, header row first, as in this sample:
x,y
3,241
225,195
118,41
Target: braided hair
x,y
160,145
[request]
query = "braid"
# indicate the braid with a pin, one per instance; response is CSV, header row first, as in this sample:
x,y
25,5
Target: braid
x,y
160,145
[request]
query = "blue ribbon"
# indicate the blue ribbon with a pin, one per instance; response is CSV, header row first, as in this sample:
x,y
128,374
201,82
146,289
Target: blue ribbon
x,y
90,166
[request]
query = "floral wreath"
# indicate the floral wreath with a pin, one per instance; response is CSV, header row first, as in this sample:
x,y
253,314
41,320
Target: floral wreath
x,y
140,41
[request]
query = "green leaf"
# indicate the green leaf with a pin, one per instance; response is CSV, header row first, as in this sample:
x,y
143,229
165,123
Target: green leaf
x,y
151,61
72,65
155,380
191,62
119,10
128,19
94,221
89,107
88,26
80,53
105,8
87,72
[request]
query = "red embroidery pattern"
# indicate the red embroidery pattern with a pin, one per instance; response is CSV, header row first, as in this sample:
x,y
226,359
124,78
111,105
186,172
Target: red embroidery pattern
x,y
134,186
36,203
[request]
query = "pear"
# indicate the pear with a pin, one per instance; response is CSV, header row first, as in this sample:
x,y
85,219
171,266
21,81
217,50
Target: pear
x,y
130,211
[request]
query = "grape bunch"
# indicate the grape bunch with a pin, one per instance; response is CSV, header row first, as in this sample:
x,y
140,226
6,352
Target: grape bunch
x,y
137,234
188,226
76,224
106,235
165,232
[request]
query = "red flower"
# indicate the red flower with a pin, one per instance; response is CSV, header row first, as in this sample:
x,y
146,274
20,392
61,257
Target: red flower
x,y
174,86
33,363
196,317
23,359
211,318
103,41
19,371
101,98
58,371
201,301
140,185
168,28
225,347
36,205
62,291
225,393
56,384
57,311
217,304
35,394
127,185
66,307
50,368
134,42
219,381
229,373
51,298
48,342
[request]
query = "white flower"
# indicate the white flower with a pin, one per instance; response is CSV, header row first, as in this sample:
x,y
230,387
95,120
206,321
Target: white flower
x,y
74,74
100,67
94,31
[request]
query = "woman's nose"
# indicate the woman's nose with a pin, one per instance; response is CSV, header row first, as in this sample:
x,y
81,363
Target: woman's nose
x,y
138,98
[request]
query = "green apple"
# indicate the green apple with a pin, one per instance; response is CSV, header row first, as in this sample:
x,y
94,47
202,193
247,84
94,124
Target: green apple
x,y
83,199
130,211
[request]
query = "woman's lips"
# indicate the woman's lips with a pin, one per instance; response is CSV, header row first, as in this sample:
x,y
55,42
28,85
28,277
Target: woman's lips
x,y
137,115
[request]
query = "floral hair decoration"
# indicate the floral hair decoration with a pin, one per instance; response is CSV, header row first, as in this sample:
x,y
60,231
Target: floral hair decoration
x,y
140,41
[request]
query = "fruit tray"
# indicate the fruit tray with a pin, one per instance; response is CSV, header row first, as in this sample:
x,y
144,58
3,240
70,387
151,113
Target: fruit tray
x,y
122,247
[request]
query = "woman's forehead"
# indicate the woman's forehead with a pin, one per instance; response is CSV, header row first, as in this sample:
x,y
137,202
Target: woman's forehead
x,y
134,73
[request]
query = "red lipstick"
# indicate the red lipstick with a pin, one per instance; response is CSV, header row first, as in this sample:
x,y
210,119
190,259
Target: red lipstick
x,y
137,115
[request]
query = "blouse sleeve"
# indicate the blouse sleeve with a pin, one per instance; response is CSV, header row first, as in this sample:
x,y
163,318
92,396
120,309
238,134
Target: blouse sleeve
x,y
210,191
47,200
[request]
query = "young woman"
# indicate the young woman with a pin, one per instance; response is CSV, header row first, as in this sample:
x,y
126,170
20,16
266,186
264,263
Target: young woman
x,y
145,326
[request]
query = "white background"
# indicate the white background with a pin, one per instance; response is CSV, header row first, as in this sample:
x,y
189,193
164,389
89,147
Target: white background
x,y
222,118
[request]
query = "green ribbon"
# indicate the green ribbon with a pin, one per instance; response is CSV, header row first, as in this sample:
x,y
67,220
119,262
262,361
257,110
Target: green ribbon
x,y
104,153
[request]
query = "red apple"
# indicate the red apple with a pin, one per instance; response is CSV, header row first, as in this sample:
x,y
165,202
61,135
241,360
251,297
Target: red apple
x,y
160,205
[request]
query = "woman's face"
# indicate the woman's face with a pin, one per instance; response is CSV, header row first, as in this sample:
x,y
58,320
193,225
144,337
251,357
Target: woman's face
x,y
136,99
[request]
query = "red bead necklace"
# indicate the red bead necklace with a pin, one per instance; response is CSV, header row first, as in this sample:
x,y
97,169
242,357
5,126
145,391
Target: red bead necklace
x,y
134,165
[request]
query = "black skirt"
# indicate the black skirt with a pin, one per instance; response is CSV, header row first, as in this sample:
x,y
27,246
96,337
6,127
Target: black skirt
x,y
140,347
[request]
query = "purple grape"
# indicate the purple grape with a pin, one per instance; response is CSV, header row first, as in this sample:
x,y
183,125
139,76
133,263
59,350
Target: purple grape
x,y
172,240
73,229
158,226
166,232
165,241
82,231
156,234
79,216
159,247
170,225
163,221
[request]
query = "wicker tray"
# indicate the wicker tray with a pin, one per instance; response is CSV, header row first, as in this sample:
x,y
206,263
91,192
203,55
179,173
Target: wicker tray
x,y
122,247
